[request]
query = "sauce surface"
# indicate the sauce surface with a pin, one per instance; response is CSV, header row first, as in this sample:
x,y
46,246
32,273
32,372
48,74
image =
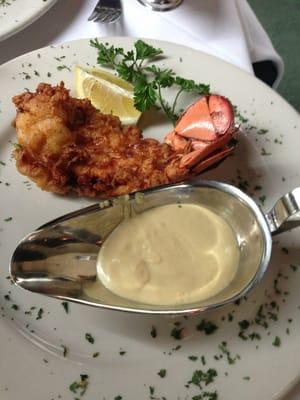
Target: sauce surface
x,y
173,254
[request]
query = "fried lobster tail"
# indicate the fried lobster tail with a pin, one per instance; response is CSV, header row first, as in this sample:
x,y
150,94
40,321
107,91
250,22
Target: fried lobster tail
x,y
66,145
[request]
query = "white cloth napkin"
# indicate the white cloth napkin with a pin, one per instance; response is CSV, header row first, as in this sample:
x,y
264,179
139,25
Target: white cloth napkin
x,y
260,47
225,28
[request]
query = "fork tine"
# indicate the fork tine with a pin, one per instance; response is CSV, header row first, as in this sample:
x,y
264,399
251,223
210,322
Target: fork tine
x,y
102,16
95,12
114,17
111,17
93,16
107,16
106,11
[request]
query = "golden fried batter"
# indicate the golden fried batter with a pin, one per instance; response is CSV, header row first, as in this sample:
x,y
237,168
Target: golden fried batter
x,y
66,145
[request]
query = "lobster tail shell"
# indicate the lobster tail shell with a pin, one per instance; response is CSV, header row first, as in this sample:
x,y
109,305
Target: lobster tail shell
x,y
203,134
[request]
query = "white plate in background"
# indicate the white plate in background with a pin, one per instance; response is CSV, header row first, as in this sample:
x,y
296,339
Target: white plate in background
x,y
16,15
33,366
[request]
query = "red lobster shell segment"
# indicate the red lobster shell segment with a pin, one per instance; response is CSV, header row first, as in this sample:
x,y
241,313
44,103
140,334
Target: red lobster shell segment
x,y
204,133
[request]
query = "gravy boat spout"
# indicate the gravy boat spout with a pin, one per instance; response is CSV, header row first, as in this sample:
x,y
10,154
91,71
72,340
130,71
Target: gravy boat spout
x,y
59,259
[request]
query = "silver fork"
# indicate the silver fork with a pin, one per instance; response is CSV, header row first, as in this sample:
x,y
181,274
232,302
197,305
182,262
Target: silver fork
x,y
106,11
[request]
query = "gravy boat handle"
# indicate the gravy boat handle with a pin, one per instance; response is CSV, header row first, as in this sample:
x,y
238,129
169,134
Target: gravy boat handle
x,y
285,215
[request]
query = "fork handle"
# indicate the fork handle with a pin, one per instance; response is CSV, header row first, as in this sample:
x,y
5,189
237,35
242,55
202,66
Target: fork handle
x,y
108,3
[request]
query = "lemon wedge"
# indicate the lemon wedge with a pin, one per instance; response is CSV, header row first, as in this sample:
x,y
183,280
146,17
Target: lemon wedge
x,y
107,92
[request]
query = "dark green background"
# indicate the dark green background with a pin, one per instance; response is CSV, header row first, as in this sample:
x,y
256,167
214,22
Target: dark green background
x,y
281,20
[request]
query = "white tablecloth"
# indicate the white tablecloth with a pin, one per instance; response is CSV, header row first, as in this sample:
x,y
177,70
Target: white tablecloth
x,y
225,28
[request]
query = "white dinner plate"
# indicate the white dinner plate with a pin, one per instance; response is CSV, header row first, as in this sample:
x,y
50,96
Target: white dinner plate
x,y
15,15
44,349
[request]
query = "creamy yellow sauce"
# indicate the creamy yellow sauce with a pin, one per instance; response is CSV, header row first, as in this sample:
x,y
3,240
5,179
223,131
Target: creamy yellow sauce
x,y
173,254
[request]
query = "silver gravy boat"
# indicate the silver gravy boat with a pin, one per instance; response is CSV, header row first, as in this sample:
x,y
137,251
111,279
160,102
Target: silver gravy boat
x,y
59,259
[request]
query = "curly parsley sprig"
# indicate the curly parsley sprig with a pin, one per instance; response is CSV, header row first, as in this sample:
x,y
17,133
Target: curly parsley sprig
x,y
148,80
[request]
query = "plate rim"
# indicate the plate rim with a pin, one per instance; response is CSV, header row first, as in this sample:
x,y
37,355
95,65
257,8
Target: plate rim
x,y
25,23
216,59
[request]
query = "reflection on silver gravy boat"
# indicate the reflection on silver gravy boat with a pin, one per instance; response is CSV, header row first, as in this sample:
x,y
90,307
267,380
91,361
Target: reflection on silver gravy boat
x,y
59,259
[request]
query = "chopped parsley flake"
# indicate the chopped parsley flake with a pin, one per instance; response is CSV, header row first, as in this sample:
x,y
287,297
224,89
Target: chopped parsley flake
x,y
257,187
254,336
276,289
262,199
278,141
244,324
95,355
262,131
162,373
59,58
81,386
264,152
206,396
277,341
61,67
8,219
239,116
177,333
224,349
201,378
207,327
153,332
65,305
40,314
193,358
151,389
89,338
230,317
